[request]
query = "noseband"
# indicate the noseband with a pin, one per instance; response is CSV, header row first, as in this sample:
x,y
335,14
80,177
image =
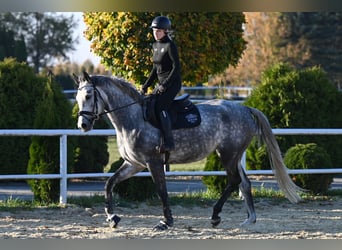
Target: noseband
x,y
91,115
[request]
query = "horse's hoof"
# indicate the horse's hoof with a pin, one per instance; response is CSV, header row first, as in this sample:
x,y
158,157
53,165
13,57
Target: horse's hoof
x,y
215,222
162,226
248,222
113,221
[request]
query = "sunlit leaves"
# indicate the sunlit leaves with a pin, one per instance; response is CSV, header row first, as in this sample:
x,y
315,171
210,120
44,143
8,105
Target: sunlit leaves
x,y
207,42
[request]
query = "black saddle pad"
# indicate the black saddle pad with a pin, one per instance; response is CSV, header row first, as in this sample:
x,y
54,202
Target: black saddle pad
x,y
183,113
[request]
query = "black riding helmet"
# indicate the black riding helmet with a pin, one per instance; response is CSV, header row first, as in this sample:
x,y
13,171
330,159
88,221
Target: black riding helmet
x,y
161,22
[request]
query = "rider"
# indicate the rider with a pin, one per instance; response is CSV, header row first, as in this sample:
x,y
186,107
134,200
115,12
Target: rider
x,y
166,69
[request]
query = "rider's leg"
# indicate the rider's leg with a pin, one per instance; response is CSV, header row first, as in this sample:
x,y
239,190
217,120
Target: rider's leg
x,y
166,129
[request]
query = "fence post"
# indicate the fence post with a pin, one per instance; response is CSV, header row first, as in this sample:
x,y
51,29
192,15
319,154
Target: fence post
x,y
63,169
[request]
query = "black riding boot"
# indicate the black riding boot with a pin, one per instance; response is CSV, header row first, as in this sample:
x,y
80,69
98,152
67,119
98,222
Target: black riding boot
x,y
166,129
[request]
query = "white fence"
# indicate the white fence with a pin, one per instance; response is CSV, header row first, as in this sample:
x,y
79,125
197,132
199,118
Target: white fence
x,y
64,176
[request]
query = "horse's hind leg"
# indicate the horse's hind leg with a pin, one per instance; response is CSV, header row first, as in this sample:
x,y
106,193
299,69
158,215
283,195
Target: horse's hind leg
x,y
215,218
246,190
230,163
124,172
236,177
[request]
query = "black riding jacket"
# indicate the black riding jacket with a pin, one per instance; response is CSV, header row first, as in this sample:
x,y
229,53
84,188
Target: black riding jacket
x,y
166,65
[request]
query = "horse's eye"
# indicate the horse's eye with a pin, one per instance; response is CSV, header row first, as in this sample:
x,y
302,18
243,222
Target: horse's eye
x,y
87,97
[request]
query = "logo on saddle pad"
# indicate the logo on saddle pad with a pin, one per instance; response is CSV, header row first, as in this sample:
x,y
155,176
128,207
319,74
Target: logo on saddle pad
x,y
183,113
191,118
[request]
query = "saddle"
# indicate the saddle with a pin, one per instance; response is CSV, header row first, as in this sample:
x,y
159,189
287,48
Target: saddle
x,y
183,113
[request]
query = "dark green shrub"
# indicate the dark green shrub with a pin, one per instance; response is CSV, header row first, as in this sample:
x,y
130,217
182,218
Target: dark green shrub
x,y
134,188
292,98
215,184
53,112
91,152
257,157
20,92
309,156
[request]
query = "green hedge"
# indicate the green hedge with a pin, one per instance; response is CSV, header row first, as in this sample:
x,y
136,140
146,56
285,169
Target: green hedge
x,y
21,91
91,152
310,156
215,184
134,188
293,98
53,112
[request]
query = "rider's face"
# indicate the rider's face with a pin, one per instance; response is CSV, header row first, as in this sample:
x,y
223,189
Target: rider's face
x,y
158,34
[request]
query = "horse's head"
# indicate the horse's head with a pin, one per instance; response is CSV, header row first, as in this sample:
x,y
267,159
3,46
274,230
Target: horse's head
x,y
88,102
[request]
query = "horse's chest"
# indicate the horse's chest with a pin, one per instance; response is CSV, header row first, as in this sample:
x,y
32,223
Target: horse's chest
x,y
126,147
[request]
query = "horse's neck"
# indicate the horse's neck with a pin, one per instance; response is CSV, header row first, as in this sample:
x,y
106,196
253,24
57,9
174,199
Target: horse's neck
x,y
124,115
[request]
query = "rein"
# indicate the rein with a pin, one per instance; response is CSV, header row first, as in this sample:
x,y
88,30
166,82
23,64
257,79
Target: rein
x,y
118,108
94,115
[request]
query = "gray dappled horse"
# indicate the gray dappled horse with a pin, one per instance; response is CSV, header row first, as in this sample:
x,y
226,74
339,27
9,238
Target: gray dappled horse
x,y
226,128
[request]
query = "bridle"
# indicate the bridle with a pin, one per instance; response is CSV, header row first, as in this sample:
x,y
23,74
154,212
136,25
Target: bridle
x,y
92,116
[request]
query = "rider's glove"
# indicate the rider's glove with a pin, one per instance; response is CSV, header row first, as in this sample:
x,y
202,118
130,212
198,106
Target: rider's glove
x,y
143,91
161,88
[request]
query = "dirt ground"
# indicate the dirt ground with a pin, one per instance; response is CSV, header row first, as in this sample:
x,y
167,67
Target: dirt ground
x,y
275,220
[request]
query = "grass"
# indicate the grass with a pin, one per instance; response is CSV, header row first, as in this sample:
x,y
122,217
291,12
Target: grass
x,y
12,205
114,156
113,152
188,199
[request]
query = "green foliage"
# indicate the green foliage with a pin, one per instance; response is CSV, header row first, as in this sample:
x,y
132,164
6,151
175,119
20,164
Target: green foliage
x,y
257,157
11,47
310,156
307,39
20,92
134,188
91,152
301,39
47,35
87,201
304,98
65,81
53,112
207,41
215,184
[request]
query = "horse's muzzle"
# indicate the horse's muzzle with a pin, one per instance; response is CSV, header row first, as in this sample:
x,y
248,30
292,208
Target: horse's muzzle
x,y
84,124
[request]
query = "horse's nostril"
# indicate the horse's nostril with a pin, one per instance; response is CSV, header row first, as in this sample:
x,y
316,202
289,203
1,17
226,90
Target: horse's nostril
x,y
83,125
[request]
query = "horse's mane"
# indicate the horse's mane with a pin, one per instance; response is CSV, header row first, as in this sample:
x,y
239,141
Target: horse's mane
x,y
121,83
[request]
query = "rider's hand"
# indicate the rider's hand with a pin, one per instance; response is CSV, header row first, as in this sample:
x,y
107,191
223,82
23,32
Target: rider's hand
x,y
142,91
161,88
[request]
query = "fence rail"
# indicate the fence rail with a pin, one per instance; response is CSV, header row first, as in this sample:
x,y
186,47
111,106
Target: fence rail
x,y
64,176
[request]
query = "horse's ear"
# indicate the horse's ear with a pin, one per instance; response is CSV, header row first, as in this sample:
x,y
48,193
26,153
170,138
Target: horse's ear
x,y
86,76
76,79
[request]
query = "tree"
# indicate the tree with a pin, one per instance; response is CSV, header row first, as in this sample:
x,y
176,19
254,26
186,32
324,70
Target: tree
x,y
301,39
20,92
304,98
91,152
47,36
54,111
207,42
63,73
11,46
258,55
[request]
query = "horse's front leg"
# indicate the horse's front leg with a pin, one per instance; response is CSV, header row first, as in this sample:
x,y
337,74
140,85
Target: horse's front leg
x,y
124,172
158,175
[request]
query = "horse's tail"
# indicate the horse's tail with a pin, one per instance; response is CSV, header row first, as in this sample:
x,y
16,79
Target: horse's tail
x,y
285,183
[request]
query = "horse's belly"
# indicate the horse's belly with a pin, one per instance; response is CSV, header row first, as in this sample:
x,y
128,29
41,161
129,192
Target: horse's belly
x,y
193,149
